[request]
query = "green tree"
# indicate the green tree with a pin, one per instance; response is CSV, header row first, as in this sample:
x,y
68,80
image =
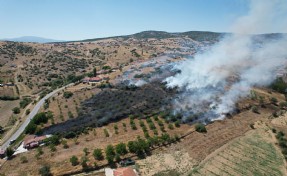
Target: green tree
x,y
177,124
27,111
67,94
95,72
74,160
98,154
121,149
110,154
40,118
45,171
16,110
199,127
31,128
132,146
9,152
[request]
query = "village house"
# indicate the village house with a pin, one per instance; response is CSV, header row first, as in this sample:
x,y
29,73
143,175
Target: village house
x,y
96,79
92,79
33,141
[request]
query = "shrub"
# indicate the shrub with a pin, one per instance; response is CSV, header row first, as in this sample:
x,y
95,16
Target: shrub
x,y
252,126
283,104
70,114
273,100
106,133
98,154
53,148
53,140
177,124
16,110
170,126
106,67
74,160
65,145
86,151
84,161
156,118
67,94
160,123
27,111
45,171
200,128
40,151
70,134
255,109
165,137
23,103
155,132
24,159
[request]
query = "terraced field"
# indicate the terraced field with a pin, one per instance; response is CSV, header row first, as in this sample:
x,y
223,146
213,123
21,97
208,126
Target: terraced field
x,y
253,154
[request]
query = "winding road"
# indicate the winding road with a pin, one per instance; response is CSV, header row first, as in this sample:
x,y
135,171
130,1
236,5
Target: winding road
x,y
35,110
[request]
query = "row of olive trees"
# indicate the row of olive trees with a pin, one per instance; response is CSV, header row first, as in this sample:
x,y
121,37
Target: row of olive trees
x,y
112,154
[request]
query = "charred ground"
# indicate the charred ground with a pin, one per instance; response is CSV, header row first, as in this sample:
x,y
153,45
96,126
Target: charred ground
x,y
115,103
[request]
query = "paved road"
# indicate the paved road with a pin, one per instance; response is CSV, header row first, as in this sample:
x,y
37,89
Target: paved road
x,y
31,115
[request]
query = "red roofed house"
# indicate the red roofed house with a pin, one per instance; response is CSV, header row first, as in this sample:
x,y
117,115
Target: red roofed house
x,y
124,171
95,79
33,141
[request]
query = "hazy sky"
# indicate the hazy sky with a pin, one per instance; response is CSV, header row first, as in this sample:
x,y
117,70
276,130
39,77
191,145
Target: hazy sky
x,y
82,19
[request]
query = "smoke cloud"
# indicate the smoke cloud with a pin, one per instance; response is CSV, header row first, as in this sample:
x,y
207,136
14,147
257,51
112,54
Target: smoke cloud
x,y
211,83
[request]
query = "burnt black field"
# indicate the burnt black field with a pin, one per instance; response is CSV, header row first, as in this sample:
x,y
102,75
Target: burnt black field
x,y
113,104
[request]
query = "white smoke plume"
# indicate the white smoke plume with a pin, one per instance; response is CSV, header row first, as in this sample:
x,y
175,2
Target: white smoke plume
x,y
206,80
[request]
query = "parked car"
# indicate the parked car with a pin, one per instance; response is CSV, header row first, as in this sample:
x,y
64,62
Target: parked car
x,y
127,162
12,142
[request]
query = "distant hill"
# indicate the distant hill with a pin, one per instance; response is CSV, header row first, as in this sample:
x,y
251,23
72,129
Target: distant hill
x,y
31,39
195,35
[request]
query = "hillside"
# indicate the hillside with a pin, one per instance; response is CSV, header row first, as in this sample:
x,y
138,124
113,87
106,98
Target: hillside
x,y
119,98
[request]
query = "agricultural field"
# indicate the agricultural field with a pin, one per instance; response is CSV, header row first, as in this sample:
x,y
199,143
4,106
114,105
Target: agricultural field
x,y
113,133
253,154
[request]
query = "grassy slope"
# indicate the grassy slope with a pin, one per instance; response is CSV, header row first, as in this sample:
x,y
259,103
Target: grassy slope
x,y
253,154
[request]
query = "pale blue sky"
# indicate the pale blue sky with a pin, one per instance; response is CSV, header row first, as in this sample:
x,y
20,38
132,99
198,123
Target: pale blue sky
x,y
83,19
